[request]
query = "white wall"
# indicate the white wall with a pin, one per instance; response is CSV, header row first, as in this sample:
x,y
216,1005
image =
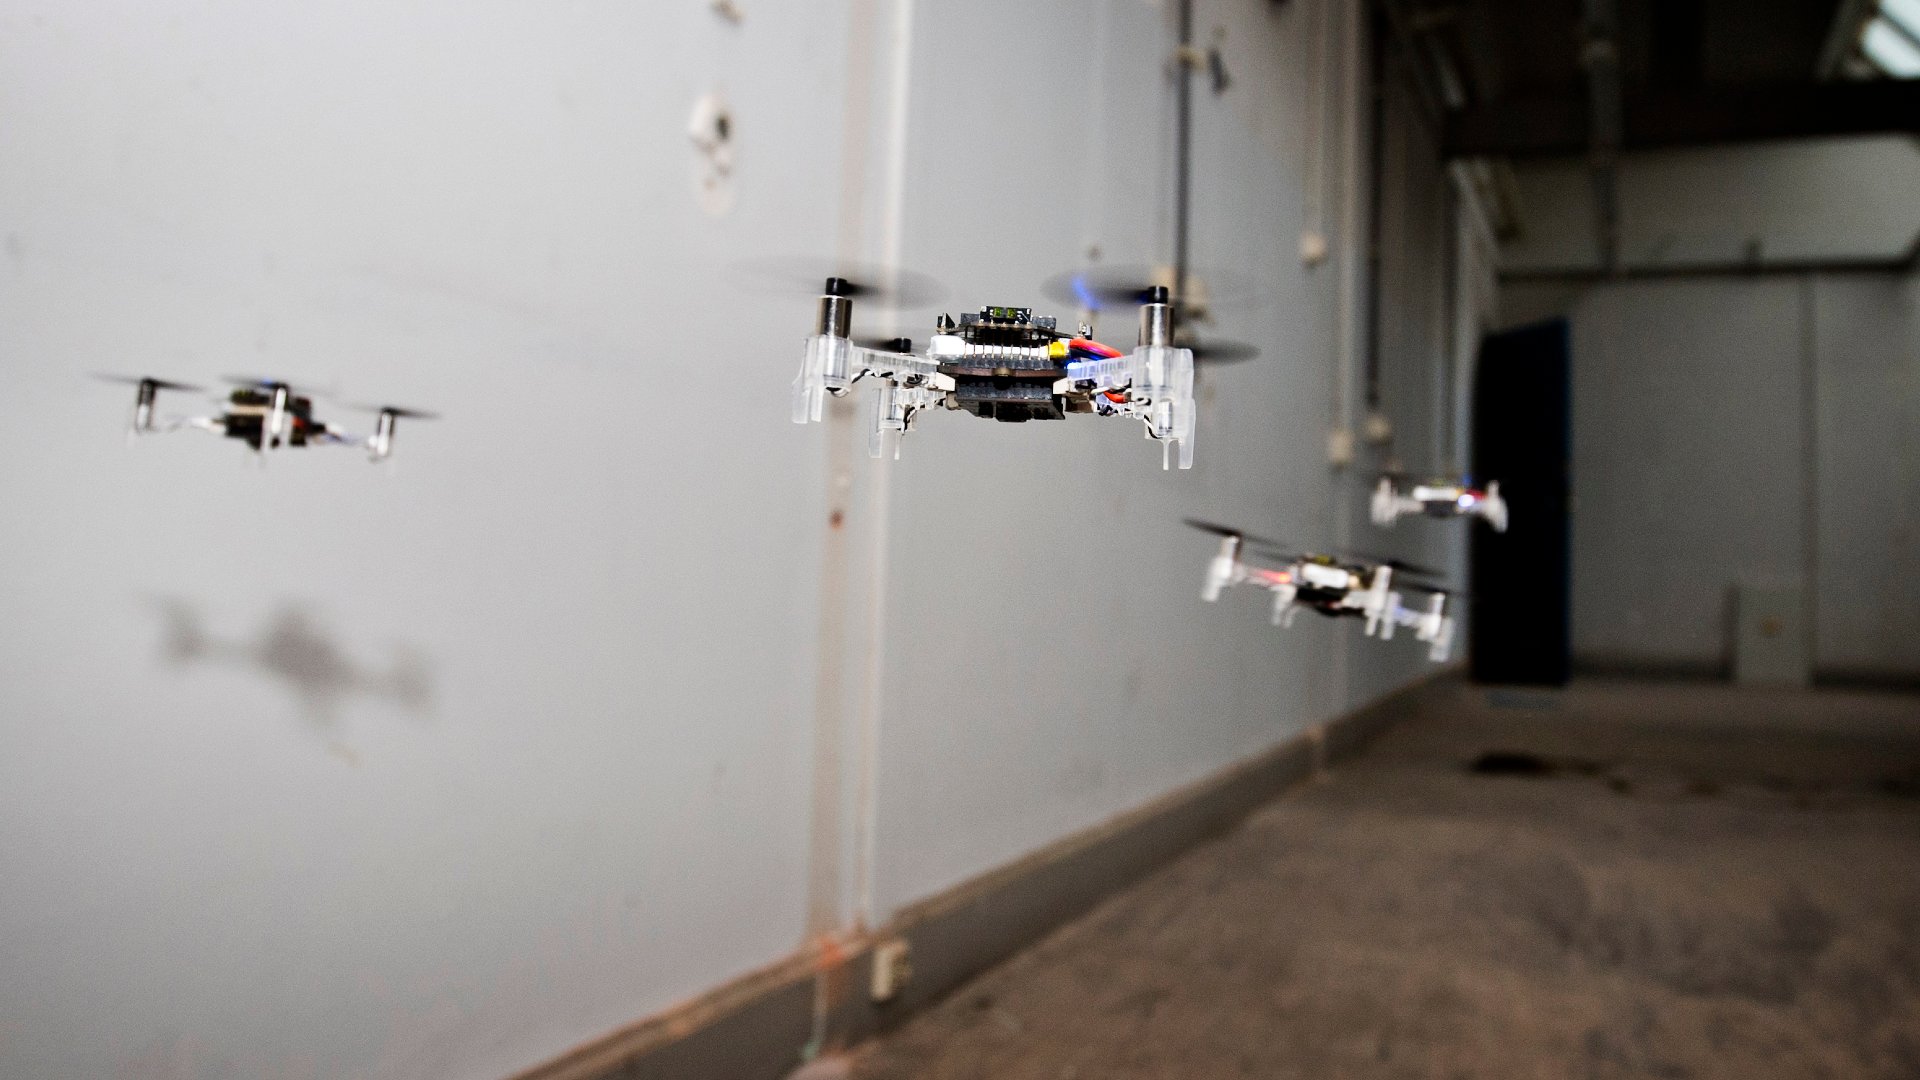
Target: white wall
x,y
1867,495
1076,710
1737,428
1731,430
479,208
609,555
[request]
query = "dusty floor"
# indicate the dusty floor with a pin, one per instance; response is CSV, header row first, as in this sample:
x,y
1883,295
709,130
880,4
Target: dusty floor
x,y
1674,882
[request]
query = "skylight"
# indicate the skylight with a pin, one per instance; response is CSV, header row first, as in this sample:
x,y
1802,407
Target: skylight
x,y
1904,14
1890,41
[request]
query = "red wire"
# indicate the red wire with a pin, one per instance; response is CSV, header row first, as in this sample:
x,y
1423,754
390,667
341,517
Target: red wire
x,y
1094,347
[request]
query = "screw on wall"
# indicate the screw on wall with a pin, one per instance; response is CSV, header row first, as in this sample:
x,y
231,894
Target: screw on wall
x,y
711,127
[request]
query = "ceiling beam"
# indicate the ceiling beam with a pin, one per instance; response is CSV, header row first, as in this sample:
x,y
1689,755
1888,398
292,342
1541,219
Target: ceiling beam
x,y
1563,126
1583,275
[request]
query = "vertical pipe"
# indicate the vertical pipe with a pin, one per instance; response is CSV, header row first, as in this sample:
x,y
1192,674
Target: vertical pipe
x,y
1474,246
1313,228
836,636
1346,308
1183,150
836,686
1810,452
1447,313
1340,444
1600,55
879,496
1376,202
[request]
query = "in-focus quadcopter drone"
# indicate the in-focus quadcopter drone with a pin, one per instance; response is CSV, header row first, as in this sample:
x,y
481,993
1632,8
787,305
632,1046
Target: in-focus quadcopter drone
x,y
266,414
1440,499
1007,364
1332,587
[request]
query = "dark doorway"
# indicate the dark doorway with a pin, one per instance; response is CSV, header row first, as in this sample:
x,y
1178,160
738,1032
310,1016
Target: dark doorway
x,y
1522,579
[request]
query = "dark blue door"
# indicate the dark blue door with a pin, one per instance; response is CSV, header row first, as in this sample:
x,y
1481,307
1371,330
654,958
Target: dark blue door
x,y
1522,579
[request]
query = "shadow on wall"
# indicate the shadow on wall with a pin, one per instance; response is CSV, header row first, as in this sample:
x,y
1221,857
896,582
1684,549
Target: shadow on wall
x,y
309,661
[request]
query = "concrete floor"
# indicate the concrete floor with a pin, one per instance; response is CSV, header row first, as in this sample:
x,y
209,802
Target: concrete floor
x,y
1685,881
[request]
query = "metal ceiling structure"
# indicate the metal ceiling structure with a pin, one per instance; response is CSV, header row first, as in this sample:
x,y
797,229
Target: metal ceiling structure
x,y
1520,79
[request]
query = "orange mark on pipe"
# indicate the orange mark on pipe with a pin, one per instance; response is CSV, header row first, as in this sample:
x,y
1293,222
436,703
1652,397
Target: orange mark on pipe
x,y
830,964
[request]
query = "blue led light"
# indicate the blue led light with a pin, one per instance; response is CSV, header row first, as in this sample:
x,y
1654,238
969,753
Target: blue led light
x,y
1080,289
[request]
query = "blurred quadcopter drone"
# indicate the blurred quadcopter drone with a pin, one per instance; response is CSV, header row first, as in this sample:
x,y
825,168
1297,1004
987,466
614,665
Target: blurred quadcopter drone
x,y
1006,364
1440,499
266,414
1332,587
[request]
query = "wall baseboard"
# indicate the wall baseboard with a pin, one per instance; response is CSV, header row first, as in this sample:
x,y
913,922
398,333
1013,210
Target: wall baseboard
x,y
1892,680
1669,669
754,1027
1650,667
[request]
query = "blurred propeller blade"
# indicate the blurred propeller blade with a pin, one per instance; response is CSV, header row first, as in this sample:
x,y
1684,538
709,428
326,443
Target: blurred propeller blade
x,y
136,380
900,345
1250,539
261,382
1350,557
1099,288
1208,526
1399,566
1222,352
804,275
1451,590
397,410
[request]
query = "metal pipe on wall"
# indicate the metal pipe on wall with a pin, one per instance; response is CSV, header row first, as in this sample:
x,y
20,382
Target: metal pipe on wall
x,y
1346,329
1376,203
1183,149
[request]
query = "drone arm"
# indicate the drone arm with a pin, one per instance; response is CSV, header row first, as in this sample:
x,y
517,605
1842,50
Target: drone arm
x,y
1432,625
163,425
1380,599
1225,569
1386,617
147,419
1162,380
1283,606
1441,645
895,404
826,369
1154,383
1386,505
1163,376
904,384
377,445
1494,508
1292,609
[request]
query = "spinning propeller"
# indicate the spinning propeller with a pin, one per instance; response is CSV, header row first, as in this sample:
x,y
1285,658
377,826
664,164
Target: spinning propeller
x,y
1286,551
380,443
1221,352
801,275
1247,539
144,380
1099,288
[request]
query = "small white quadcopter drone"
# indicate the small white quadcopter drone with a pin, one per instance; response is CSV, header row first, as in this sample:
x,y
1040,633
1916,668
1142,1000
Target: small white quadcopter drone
x,y
1439,499
1332,587
266,414
1006,364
